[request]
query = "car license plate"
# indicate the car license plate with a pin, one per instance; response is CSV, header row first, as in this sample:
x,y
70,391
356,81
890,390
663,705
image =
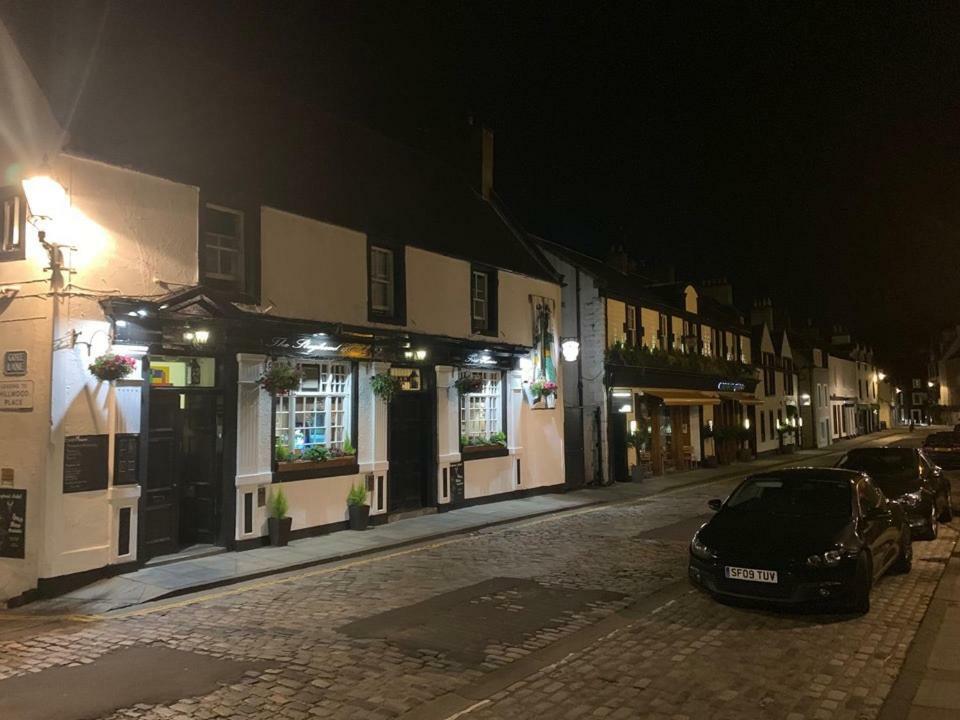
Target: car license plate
x,y
750,574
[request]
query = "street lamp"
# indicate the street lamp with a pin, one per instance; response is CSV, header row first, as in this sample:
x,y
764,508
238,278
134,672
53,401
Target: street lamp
x,y
47,200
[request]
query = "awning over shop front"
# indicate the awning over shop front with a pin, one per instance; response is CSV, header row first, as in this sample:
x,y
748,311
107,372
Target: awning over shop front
x,y
677,397
742,398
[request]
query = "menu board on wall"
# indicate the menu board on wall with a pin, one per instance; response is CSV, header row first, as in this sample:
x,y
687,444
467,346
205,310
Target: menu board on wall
x,y
84,463
13,523
457,487
125,451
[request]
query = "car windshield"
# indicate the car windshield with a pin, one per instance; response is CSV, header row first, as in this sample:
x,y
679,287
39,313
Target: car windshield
x,y
807,496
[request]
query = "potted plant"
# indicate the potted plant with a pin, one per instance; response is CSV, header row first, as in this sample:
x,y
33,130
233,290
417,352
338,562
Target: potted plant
x,y
280,377
638,441
466,384
278,522
544,390
357,507
109,367
385,386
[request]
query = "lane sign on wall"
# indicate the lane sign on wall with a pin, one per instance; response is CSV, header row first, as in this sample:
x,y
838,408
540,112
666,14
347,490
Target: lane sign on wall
x,y
13,523
16,394
84,463
15,362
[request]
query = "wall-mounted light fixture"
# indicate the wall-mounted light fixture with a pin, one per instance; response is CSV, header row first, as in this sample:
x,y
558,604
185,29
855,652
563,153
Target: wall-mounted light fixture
x,y
746,423
570,347
421,354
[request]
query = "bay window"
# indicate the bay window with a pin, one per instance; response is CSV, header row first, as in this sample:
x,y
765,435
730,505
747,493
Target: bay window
x,y
481,409
318,414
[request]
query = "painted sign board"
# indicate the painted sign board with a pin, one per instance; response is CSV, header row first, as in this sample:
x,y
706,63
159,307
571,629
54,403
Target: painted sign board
x,y
15,362
16,394
84,463
13,523
457,484
126,450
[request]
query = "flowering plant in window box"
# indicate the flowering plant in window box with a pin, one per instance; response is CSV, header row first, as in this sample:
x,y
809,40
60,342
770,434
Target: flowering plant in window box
x,y
543,388
466,384
281,378
112,367
314,457
477,445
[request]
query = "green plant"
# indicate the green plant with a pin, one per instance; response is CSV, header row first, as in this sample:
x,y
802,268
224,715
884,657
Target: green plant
x,y
499,438
743,434
348,448
278,503
706,432
724,433
316,453
543,388
281,451
357,495
281,377
385,386
639,438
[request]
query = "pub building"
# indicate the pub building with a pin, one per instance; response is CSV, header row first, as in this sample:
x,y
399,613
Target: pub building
x,y
211,251
664,378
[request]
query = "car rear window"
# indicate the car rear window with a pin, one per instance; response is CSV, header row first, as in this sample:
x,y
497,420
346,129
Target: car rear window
x,y
880,461
944,440
807,496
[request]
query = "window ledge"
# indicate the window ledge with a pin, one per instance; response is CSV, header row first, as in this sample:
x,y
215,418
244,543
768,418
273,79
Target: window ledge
x,y
309,470
480,452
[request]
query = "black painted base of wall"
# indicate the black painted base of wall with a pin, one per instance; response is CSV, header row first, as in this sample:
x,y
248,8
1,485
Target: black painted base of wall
x,y
500,497
63,584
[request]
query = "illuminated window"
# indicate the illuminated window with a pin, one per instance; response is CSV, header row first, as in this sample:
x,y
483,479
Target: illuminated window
x,y
481,412
14,224
318,413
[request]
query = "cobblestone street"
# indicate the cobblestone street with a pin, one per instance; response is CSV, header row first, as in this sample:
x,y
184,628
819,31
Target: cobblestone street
x,y
581,614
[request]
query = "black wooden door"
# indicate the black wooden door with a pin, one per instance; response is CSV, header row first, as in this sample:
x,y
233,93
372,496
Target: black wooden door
x,y
200,469
161,497
410,449
618,447
574,460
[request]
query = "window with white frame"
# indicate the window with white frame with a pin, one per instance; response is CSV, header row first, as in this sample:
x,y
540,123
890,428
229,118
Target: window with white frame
x,y
481,412
13,214
480,300
381,280
318,413
223,244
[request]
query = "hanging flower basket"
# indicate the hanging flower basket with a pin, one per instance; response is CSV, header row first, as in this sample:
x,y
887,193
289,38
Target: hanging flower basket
x,y
466,384
385,386
543,389
111,367
280,378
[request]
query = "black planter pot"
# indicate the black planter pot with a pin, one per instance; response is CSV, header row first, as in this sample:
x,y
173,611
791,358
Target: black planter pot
x,y
279,530
359,516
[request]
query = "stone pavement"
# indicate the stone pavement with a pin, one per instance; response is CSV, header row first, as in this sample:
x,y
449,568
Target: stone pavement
x,y
579,614
193,574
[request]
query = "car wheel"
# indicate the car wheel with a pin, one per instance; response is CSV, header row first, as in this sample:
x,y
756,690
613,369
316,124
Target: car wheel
x,y
859,601
932,529
904,561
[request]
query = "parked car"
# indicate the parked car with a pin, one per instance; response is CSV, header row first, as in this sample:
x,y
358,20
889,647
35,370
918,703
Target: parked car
x,y
801,535
943,449
908,477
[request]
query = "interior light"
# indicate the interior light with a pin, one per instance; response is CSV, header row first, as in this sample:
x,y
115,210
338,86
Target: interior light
x,y
188,336
164,306
626,408
121,323
201,336
408,354
633,426
132,313
142,312
746,423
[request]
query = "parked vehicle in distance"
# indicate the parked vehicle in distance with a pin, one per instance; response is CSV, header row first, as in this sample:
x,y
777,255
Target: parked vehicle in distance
x,y
943,449
908,477
801,535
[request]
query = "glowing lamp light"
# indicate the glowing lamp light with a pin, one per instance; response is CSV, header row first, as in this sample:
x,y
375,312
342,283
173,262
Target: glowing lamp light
x,y
47,200
746,423
421,354
570,347
930,383
882,375
633,426
201,336
626,408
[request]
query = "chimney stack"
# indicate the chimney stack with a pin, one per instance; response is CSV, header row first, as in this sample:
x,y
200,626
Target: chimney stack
x,y
762,312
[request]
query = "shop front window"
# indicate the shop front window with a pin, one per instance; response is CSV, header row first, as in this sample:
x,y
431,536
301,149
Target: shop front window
x,y
318,413
481,410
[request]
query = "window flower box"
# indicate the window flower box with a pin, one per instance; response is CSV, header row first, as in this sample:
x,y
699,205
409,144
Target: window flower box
x,y
343,461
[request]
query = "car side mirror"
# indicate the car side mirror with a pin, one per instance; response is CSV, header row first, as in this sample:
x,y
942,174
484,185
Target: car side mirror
x,y
715,504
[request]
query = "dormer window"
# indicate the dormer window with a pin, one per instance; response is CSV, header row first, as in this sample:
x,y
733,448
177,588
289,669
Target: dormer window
x,y
483,301
222,246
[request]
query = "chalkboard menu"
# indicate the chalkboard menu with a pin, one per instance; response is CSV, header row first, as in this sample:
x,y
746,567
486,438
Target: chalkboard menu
x,y
84,463
13,523
126,448
457,487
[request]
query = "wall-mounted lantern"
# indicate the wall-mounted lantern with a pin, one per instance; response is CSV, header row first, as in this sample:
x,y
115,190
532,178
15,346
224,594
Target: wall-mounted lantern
x,y
570,347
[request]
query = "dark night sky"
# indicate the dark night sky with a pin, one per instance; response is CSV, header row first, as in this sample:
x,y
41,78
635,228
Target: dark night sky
x,y
808,151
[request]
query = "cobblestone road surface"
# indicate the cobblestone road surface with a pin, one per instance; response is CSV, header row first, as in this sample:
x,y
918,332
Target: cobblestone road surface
x,y
415,632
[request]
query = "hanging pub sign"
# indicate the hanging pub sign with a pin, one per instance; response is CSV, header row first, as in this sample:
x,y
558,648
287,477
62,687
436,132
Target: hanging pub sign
x,y
84,463
316,346
13,523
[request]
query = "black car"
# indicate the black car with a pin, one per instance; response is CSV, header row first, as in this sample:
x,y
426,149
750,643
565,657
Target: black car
x,y
943,449
801,535
907,476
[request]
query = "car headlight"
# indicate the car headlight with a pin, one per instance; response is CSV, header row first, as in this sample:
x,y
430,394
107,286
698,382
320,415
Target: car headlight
x,y
700,550
831,558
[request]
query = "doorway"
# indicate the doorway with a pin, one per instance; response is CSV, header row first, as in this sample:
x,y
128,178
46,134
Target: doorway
x,y
182,495
618,447
412,420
